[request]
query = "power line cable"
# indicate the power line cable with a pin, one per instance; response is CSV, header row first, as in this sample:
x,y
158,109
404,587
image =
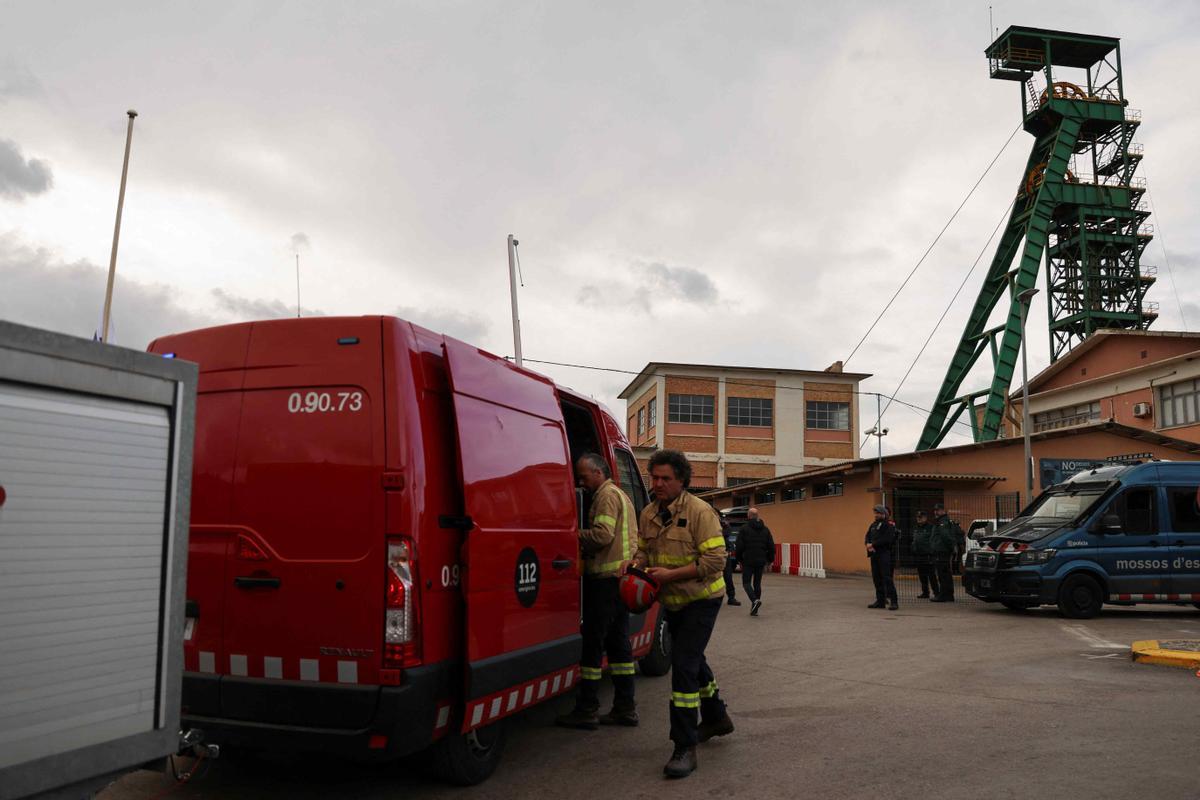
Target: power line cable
x,y
946,311
932,244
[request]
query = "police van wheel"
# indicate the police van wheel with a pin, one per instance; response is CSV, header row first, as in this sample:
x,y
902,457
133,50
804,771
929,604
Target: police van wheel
x,y
658,661
466,759
1080,597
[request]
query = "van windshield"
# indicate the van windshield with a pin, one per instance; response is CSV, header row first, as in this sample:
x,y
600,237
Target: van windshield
x,y
1050,512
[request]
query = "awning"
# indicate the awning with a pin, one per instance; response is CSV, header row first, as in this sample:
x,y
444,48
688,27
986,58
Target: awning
x,y
944,476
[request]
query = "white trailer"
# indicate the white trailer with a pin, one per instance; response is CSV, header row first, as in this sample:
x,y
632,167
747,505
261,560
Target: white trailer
x,y
95,476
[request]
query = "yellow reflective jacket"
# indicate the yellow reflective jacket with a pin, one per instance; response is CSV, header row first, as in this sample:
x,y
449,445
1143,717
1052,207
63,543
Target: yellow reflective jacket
x,y
609,540
686,532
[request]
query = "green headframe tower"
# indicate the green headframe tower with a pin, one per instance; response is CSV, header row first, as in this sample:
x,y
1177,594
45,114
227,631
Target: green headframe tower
x,y
1078,205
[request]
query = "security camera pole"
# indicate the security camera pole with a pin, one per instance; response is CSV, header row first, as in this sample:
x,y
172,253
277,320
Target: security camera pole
x,y
112,259
879,432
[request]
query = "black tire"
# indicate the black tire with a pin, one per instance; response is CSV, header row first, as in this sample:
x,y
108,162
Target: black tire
x,y
658,661
1080,596
466,759
1016,605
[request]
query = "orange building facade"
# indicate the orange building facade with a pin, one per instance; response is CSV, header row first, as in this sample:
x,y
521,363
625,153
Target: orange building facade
x,y
740,424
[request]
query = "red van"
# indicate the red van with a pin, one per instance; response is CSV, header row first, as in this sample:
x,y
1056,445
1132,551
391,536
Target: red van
x,y
383,552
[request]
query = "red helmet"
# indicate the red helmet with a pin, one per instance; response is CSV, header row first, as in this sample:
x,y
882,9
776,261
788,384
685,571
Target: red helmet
x,y
638,590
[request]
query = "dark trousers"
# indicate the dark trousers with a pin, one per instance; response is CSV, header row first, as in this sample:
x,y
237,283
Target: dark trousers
x,y
729,590
942,568
605,629
881,574
694,692
752,581
927,575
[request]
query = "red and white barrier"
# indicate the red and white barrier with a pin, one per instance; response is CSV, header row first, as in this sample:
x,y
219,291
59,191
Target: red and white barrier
x,y
803,559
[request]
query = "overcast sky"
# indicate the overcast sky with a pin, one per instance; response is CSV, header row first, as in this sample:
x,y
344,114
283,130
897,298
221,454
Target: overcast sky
x,y
724,183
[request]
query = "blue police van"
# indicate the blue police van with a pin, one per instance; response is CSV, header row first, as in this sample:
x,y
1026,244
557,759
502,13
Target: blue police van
x,y
1120,534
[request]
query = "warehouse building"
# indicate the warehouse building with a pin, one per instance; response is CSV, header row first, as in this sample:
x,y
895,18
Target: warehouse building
x,y
738,425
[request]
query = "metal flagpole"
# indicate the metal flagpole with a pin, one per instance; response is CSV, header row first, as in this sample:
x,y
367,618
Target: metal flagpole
x,y
112,259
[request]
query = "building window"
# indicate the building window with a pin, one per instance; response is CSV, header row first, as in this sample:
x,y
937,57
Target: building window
x,y
690,408
740,500
793,493
642,421
1066,416
729,482
753,412
1177,403
827,489
652,413
764,497
821,415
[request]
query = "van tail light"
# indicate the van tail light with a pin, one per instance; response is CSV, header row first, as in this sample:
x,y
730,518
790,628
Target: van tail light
x,y
401,647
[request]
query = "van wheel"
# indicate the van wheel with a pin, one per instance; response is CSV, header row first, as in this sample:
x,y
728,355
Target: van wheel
x,y
466,759
1016,605
658,661
1080,596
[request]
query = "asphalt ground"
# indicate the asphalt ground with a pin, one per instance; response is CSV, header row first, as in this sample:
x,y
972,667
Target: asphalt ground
x,y
834,700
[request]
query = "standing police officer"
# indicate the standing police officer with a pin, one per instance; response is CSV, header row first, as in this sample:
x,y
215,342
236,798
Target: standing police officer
x,y
923,554
606,544
944,543
881,541
680,539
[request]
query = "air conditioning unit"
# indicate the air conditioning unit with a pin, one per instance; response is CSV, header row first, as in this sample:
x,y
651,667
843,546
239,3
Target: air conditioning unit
x,y
1141,409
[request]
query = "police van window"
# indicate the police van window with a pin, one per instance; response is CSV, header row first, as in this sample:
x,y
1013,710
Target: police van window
x,y
1136,510
627,476
1185,508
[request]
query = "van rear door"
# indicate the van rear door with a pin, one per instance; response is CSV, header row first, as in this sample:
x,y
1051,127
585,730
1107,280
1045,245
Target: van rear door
x,y
521,583
304,580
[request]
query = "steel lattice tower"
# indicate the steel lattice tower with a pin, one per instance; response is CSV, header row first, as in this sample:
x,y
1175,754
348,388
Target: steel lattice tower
x,y
1090,227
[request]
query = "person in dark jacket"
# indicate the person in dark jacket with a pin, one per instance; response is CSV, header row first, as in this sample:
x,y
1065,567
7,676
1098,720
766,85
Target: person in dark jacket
x,y
755,550
730,536
923,555
881,540
944,543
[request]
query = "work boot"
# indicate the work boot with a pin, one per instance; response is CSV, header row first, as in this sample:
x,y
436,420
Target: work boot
x,y
628,717
894,606
923,596
682,763
718,727
581,718
733,601
876,604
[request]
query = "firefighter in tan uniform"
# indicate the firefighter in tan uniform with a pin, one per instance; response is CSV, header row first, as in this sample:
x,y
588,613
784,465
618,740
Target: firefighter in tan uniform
x,y
681,546
606,545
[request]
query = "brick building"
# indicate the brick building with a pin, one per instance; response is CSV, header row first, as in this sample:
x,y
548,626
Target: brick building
x,y
743,424
1143,379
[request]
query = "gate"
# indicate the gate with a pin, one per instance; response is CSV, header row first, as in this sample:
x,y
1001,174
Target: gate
x,y
969,510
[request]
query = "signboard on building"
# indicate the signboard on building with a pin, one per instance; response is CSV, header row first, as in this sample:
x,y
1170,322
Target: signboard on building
x,y
1057,470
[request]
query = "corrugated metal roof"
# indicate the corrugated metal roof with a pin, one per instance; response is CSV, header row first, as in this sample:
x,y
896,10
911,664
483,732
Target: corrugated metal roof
x,y
945,476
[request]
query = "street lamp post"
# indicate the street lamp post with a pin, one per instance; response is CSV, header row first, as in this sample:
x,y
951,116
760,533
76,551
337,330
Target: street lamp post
x,y
879,432
1025,298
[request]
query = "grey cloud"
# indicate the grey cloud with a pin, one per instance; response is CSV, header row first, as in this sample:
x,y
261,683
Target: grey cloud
x,y
46,292
300,241
687,283
21,177
461,325
245,309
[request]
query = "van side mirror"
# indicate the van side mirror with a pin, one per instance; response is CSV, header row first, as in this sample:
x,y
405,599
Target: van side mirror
x,y
1109,524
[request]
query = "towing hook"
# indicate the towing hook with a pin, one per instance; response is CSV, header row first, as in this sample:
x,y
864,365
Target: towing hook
x,y
191,743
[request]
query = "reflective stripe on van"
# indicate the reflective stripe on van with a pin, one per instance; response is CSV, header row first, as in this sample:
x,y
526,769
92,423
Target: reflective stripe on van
x,y
1150,598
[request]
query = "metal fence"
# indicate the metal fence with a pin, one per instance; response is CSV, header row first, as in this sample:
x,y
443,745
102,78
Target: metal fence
x,y
972,511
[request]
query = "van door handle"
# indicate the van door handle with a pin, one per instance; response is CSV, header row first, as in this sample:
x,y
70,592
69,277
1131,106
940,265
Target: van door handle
x,y
561,563
256,582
